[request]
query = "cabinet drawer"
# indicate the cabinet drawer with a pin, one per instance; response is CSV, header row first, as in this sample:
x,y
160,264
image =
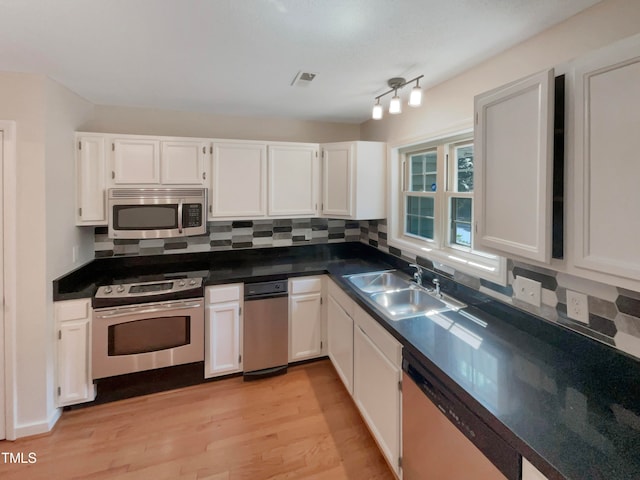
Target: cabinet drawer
x,y
224,293
341,298
388,345
72,310
305,285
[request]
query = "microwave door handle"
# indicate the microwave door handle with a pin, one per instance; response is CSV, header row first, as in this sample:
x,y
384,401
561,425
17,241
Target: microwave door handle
x,y
138,310
180,216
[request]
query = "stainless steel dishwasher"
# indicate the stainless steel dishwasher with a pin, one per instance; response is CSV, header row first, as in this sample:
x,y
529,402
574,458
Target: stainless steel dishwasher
x,y
443,439
266,329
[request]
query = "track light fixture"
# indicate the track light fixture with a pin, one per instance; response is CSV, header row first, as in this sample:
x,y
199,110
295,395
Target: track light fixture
x,y
395,105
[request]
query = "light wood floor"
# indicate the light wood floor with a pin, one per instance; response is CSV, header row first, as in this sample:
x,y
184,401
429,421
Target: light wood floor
x,y
299,425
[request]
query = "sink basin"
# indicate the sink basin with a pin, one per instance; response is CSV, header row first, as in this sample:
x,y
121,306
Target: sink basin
x,y
409,302
375,282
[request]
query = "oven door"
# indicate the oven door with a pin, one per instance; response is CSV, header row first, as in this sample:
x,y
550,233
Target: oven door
x,y
144,337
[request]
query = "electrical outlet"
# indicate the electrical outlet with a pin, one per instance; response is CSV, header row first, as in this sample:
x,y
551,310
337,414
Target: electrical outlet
x,y
75,251
528,290
577,306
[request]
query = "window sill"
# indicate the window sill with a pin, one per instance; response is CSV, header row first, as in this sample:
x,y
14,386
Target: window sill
x,y
493,270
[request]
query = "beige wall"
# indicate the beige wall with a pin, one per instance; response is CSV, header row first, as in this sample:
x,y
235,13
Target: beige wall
x,y
147,121
65,111
46,116
449,106
22,99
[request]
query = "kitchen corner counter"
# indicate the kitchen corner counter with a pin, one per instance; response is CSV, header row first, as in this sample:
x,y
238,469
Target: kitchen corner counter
x,y
567,403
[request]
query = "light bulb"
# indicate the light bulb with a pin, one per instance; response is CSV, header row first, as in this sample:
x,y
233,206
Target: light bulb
x,y
395,106
415,100
377,111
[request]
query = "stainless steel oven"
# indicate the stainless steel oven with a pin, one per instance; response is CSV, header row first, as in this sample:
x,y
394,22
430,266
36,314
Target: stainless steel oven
x,y
150,335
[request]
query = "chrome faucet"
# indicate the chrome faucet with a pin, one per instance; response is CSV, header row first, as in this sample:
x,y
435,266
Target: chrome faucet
x,y
436,282
417,275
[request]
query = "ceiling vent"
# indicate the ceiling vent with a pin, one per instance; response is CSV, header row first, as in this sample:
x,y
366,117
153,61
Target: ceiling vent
x,y
303,79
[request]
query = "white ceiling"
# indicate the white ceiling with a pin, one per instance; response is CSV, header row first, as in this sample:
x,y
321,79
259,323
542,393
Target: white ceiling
x,y
239,57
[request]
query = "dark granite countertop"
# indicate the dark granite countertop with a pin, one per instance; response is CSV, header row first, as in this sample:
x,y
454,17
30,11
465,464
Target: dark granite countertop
x,y
567,403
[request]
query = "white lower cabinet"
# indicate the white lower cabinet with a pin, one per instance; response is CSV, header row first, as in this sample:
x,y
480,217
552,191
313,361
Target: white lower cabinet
x,y
73,331
340,334
529,472
306,325
223,330
377,373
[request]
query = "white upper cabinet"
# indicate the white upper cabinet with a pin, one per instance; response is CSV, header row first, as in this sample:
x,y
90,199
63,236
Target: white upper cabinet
x,y
514,168
136,161
293,179
606,117
158,161
239,180
91,181
183,162
353,180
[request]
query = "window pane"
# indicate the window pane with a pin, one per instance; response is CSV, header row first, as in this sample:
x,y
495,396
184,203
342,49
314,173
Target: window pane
x,y
419,217
422,173
461,221
464,168
462,209
462,234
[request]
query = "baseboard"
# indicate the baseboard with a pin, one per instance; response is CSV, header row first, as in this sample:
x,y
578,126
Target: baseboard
x,y
38,428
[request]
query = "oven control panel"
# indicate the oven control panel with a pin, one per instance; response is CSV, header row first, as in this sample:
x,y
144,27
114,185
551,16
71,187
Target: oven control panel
x,y
144,289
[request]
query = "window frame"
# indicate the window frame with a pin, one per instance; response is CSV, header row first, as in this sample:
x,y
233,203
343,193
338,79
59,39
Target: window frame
x,y
440,250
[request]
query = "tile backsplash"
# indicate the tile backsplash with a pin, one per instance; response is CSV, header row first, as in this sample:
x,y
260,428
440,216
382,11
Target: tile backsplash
x,y
614,313
230,235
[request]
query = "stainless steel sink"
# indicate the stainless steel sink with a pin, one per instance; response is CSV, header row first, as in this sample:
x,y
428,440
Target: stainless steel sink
x,y
400,298
374,282
409,302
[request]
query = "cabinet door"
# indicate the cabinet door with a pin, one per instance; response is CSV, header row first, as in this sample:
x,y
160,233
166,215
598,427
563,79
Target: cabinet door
x,y
337,179
183,162
91,180
377,394
136,161
293,179
305,326
223,339
74,377
340,340
514,168
239,180
607,121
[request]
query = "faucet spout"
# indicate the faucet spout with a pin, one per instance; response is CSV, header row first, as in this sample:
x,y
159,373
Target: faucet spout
x,y
436,282
417,275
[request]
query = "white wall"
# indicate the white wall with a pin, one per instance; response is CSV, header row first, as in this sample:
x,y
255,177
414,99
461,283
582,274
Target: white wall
x,y
147,121
449,105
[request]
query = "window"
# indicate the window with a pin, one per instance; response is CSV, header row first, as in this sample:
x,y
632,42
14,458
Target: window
x,y
431,190
419,198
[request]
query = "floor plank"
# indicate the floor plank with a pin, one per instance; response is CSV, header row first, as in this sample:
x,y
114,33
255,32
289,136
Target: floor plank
x,y
299,425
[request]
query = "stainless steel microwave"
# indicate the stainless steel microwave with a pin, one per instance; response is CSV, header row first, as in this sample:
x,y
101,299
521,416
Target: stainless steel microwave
x,y
157,212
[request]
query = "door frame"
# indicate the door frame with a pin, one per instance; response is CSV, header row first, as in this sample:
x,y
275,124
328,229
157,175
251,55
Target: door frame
x,y
8,363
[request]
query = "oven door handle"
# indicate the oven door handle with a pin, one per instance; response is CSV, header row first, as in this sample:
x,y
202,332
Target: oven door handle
x,y
138,310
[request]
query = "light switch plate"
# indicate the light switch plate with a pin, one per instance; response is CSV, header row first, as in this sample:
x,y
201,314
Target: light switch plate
x,y
578,306
528,291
